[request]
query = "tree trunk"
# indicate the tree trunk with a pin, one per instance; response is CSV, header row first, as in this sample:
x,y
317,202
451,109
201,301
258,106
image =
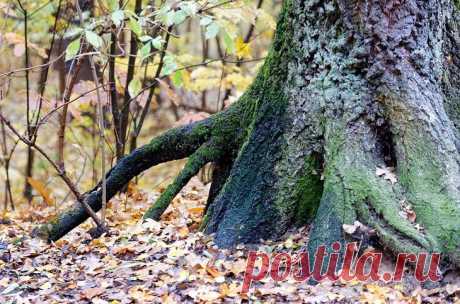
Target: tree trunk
x,y
348,87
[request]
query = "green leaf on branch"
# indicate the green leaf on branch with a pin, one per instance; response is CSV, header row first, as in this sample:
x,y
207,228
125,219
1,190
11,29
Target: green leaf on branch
x,y
134,88
157,42
179,17
229,44
73,32
189,7
145,38
134,26
212,30
94,39
177,79
117,17
145,50
72,49
169,65
205,20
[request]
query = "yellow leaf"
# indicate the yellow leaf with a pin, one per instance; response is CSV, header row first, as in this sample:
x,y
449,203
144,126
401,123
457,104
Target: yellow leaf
x,y
42,190
183,232
205,78
266,19
212,270
197,210
4,282
119,87
243,50
224,290
186,79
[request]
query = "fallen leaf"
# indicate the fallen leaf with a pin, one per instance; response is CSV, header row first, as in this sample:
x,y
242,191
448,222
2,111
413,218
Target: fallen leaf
x,y
411,216
42,190
350,229
46,286
92,292
212,270
452,288
183,232
197,210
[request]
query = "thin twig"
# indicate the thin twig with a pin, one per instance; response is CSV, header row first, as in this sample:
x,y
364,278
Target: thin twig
x,y
44,119
152,88
60,173
46,70
101,129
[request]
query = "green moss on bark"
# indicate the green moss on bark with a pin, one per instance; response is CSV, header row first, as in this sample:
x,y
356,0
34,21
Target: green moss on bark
x,y
308,191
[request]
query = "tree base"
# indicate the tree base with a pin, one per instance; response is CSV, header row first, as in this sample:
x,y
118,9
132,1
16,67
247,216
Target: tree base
x,y
338,98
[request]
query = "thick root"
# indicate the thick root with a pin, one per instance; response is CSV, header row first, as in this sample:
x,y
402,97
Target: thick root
x,y
353,192
175,144
207,137
205,154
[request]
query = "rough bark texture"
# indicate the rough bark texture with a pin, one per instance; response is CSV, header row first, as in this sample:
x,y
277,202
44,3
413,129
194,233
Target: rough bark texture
x,y
363,84
348,86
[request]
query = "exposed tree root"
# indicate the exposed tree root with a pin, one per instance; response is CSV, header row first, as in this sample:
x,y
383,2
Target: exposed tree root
x,y
352,191
205,154
175,144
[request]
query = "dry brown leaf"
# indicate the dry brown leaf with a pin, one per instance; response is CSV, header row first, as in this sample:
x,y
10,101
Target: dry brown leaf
x,y
122,250
141,294
212,270
411,216
90,293
452,288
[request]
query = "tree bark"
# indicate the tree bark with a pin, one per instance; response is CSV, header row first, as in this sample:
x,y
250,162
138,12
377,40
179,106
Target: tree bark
x,y
348,87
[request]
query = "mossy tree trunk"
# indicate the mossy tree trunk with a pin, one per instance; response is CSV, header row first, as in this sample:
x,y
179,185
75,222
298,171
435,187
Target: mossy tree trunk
x,y
348,87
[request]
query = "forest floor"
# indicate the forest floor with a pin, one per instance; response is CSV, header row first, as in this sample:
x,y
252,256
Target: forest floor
x,y
166,262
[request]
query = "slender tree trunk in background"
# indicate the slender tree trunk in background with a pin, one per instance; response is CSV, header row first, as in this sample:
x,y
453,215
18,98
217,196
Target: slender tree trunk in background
x,y
348,87
124,113
114,99
204,57
72,76
30,153
6,155
29,173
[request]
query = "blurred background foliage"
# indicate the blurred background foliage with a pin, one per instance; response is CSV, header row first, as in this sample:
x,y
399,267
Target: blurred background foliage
x,y
159,64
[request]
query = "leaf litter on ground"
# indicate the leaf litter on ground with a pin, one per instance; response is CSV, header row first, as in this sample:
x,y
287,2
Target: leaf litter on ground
x,y
169,261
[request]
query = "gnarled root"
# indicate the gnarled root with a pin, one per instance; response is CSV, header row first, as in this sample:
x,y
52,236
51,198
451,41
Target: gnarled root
x,y
422,181
205,137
